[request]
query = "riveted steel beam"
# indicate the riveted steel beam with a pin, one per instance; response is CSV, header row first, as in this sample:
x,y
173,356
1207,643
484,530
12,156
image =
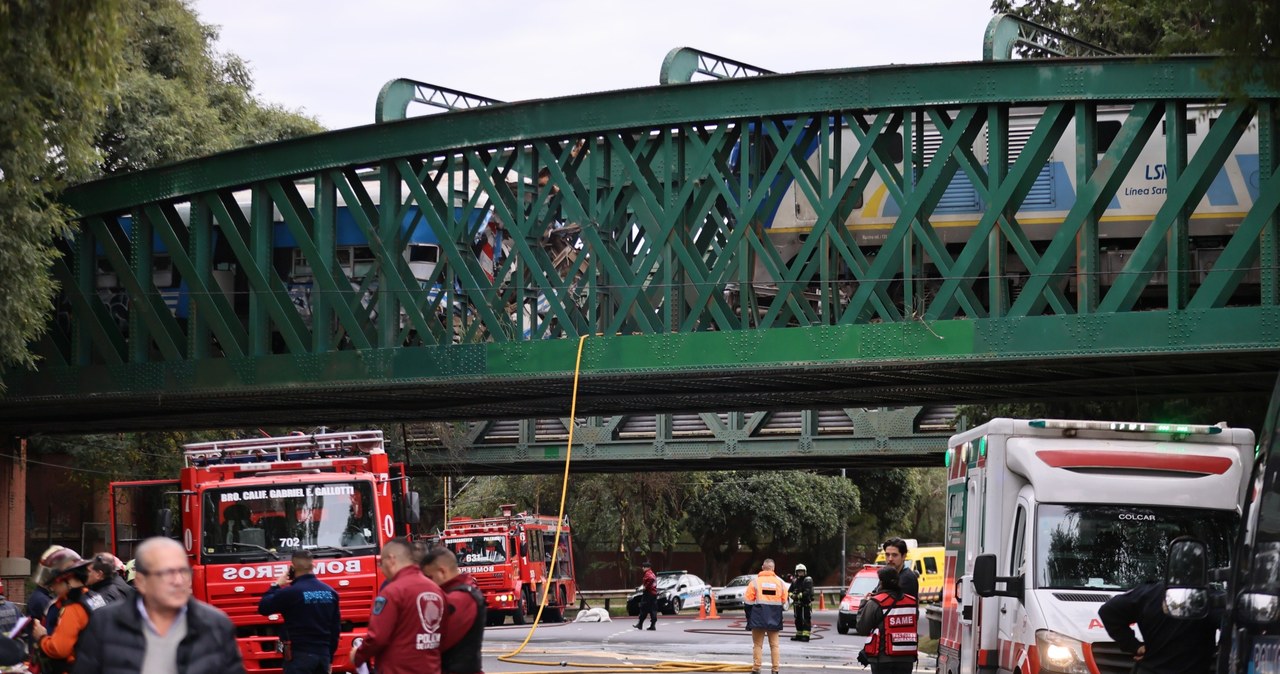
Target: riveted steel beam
x,y
682,63
1006,32
827,438
846,232
397,95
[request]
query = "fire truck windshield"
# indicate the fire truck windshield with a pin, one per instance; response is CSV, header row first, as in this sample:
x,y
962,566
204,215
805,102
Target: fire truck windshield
x,y
250,522
479,549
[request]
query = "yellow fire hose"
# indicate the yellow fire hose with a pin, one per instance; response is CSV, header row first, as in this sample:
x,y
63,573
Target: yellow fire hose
x,y
589,667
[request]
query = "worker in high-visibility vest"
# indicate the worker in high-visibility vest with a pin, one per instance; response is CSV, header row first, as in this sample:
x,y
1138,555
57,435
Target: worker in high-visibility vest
x,y
765,596
889,618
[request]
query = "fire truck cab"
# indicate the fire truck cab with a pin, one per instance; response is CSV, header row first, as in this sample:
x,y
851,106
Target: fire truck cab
x,y
241,507
510,558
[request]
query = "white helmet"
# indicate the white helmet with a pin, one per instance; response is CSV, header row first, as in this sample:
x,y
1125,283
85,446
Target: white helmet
x,y
800,569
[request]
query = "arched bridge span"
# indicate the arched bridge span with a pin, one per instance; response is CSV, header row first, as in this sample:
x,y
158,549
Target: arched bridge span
x,y
876,236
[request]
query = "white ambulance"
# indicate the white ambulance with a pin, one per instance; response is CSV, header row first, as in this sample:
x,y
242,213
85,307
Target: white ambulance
x,y
1047,519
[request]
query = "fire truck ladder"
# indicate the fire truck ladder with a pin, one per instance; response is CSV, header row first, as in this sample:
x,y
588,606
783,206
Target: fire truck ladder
x,y
285,448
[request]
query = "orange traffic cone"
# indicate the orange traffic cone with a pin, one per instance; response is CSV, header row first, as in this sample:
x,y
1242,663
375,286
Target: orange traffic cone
x,y
822,602
714,615
702,610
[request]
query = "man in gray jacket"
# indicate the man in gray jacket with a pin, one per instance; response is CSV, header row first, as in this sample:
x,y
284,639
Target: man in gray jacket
x,y
159,627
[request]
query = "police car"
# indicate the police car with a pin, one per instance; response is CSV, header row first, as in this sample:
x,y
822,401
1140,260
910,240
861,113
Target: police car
x,y
676,590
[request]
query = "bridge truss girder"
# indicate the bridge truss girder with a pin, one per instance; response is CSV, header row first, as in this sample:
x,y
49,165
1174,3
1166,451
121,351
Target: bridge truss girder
x,y
660,198
809,439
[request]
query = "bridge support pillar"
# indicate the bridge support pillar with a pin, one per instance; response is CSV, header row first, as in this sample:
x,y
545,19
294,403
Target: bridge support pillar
x,y
15,568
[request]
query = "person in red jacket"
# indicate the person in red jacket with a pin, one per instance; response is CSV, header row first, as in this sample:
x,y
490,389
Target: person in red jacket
x,y
648,596
404,631
464,613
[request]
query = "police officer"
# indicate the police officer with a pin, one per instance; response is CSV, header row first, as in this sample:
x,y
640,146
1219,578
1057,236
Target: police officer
x,y
404,630
802,603
312,620
889,617
464,618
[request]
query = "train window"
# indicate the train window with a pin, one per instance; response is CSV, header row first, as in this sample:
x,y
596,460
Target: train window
x,y
1191,127
299,264
1107,132
162,271
423,253
890,145
362,261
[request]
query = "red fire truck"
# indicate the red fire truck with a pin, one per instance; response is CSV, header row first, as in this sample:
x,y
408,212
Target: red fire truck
x,y
510,556
241,507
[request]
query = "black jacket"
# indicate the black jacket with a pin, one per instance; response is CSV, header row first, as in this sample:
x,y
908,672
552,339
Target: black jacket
x,y
112,589
312,620
908,580
1174,645
114,644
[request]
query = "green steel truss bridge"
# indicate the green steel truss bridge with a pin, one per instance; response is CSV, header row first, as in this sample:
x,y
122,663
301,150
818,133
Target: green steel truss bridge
x,y
827,438
1082,225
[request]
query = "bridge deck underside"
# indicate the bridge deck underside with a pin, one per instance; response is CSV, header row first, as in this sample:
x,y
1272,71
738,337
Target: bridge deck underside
x,y
810,386
951,233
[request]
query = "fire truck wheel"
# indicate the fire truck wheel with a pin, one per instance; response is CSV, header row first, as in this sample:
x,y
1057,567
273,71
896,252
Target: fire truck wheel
x,y
517,616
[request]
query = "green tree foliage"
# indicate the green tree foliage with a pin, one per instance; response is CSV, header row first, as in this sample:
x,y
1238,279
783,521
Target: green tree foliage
x,y
769,512
103,86
1237,410
634,515
61,61
97,459
887,497
179,98
1245,32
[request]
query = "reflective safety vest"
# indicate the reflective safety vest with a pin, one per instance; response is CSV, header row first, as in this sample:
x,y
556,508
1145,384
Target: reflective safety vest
x,y
764,598
896,634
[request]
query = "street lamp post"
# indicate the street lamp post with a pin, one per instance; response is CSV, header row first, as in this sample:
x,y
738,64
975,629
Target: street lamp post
x,y
844,553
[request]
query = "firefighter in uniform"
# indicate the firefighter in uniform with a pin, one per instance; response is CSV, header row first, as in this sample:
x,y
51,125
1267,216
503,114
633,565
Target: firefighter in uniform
x,y
889,618
75,603
464,618
802,603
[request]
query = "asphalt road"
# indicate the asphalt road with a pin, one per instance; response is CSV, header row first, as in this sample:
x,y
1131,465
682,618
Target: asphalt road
x,y
677,638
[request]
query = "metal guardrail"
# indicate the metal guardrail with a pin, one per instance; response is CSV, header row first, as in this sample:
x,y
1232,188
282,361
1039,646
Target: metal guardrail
x,y
585,596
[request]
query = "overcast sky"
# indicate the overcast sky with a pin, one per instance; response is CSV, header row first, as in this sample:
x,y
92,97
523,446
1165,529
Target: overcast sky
x,y
329,58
